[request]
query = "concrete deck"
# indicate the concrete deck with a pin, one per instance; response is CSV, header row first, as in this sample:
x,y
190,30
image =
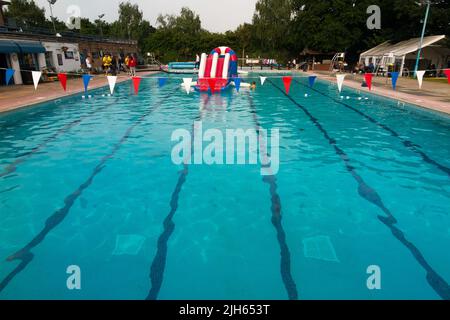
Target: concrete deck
x,y
433,95
19,96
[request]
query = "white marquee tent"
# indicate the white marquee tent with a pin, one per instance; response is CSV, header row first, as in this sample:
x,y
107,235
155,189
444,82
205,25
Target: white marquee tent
x,y
406,51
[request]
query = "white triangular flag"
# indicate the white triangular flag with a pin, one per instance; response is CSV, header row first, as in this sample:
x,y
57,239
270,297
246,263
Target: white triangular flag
x,y
36,77
263,79
340,81
187,82
112,83
420,75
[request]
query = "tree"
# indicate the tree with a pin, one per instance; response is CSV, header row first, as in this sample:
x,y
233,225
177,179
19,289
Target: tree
x,y
336,25
271,21
130,18
26,13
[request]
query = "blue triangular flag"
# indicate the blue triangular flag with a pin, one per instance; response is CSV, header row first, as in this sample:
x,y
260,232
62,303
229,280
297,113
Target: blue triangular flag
x,y
394,76
311,79
162,81
86,79
9,75
237,83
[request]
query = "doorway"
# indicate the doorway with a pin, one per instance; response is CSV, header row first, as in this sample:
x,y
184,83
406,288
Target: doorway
x,y
4,65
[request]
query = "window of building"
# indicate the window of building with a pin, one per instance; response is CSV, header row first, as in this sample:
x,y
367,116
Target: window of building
x,y
49,59
60,59
69,55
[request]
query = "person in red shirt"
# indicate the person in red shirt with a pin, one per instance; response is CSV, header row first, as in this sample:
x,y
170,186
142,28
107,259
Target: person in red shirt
x,y
132,64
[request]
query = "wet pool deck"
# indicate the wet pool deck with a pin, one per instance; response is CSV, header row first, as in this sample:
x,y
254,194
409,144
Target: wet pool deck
x,y
433,96
19,96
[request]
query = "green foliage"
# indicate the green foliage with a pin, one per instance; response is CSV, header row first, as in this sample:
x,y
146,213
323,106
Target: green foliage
x,y
280,28
130,24
26,14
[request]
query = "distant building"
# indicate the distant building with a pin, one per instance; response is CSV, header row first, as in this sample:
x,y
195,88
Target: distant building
x,y
316,60
41,50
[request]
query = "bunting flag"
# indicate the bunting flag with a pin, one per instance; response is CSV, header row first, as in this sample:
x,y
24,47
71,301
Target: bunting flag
x,y
187,83
368,77
212,84
136,83
86,79
394,76
312,79
447,73
112,83
237,83
340,81
287,83
63,79
36,77
162,82
9,75
420,75
263,79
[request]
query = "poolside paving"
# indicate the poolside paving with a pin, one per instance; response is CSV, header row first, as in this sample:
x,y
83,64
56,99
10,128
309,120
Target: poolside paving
x,y
433,95
18,96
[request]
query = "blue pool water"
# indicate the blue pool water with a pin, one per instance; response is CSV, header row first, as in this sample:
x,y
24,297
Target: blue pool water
x,y
91,183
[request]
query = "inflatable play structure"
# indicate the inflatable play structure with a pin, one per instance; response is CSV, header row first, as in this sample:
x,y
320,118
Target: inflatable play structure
x,y
180,68
217,69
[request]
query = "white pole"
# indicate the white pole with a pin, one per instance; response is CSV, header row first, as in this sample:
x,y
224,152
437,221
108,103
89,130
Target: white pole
x,y
421,38
403,65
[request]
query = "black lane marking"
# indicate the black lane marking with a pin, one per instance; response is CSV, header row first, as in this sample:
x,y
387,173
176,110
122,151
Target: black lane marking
x,y
285,263
439,285
9,189
25,255
22,158
407,143
159,261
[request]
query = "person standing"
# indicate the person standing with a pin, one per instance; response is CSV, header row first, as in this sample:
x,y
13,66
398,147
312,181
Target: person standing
x,y
197,61
89,64
132,64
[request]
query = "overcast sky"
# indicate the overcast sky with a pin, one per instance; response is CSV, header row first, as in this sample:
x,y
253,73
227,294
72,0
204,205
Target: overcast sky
x,y
216,15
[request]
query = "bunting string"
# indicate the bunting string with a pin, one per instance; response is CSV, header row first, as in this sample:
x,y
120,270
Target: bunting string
x,y
187,81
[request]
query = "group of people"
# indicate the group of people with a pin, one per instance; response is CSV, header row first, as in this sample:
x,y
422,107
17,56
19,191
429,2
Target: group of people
x,y
112,65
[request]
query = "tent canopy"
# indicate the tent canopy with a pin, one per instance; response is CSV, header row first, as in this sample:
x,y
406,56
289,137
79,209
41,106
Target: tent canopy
x,y
402,48
10,46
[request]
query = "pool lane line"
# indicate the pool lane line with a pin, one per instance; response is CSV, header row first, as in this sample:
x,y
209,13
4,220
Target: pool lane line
x,y
10,168
271,180
159,261
25,255
439,285
407,143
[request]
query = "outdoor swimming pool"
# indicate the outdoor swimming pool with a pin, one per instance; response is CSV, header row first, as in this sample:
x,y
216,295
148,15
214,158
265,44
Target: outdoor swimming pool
x,y
91,183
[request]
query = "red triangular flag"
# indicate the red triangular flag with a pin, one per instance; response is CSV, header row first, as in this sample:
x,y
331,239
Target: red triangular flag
x,y
368,77
212,84
287,83
136,83
447,73
63,79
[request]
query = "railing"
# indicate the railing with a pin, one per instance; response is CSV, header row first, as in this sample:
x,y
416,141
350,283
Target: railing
x,y
35,31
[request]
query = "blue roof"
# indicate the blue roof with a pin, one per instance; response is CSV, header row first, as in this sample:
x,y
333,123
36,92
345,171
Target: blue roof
x,y
10,46
30,46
